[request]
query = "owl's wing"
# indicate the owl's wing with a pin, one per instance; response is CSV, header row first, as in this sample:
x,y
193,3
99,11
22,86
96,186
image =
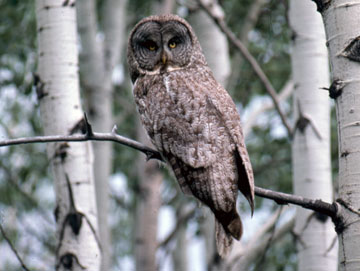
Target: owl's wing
x,y
222,103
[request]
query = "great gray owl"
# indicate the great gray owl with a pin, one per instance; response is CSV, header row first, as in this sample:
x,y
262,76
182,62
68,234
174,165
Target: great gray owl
x,y
191,119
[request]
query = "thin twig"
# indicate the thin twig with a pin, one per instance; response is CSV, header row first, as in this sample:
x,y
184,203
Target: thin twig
x,y
181,220
13,248
213,10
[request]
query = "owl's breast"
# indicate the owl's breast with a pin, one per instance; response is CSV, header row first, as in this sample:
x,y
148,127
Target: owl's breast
x,y
172,110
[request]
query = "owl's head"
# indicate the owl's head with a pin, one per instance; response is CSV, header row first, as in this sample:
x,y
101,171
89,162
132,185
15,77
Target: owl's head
x,y
162,44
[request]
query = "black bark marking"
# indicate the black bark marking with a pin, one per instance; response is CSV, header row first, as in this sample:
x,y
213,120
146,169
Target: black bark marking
x,y
322,5
74,218
339,222
61,151
83,126
336,88
352,51
303,121
56,213
67,260
39,87
79,127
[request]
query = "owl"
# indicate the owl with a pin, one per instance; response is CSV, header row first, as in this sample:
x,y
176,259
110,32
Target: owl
x,y
191,120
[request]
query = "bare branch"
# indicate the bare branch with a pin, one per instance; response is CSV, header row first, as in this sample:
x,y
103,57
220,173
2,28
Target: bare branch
x,y
13,248
150,153
279,197
283,198
213,10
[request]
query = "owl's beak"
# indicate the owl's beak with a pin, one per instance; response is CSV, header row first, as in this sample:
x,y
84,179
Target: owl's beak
x,y
164,58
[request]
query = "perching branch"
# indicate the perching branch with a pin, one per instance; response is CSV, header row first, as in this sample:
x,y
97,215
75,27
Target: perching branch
x,y
150,153
283,198
279,197
216,13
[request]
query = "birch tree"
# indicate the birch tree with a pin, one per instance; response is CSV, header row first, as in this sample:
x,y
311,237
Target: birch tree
x,y
315,235
342,27
61,114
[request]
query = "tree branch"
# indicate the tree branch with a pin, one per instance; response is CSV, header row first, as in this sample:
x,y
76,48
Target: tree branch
x,y
215,12
283,198
150,153
279,197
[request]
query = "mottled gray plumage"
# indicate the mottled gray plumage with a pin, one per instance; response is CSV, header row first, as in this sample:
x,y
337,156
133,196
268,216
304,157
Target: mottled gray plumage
x,y
191,119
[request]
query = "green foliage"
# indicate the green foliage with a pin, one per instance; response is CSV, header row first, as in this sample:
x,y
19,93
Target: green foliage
x,y
23,169
269,43
278,256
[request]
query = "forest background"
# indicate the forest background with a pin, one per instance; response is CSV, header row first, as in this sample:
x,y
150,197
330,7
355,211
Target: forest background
x,y
27,197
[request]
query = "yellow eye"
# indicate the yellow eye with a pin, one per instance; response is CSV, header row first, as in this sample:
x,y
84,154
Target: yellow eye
x,y
150,45
172,45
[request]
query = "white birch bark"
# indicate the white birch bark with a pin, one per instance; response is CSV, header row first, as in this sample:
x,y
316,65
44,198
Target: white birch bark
x,y
60,108
311,146
97,64
342,26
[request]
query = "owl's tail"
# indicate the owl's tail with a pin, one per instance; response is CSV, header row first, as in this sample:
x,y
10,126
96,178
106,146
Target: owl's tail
x,y
224,235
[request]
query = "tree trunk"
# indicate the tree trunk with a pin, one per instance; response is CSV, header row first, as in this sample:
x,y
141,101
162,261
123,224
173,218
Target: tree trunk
x,y
97,64
311,144
61,113
214,45
148,205
180,258
342,24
